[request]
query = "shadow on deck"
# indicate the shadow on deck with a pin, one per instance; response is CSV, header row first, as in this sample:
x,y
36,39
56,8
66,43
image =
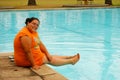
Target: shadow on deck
x,y
89,5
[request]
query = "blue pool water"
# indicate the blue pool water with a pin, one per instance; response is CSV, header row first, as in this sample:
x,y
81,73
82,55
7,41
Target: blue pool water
x,y
94,33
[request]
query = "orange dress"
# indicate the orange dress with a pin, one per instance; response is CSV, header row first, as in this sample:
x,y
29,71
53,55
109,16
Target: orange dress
x,y
20,55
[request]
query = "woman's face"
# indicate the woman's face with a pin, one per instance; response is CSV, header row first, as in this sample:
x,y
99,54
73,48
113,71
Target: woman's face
x,y
33,26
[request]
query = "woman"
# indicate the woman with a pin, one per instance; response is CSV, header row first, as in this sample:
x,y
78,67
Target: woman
x,y
30,51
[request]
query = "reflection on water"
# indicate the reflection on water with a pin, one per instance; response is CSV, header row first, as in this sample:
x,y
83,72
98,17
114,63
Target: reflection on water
x,y
106,74
92,32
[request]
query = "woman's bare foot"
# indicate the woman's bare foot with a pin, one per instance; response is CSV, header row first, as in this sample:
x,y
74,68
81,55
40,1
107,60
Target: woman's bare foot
x,y
75,59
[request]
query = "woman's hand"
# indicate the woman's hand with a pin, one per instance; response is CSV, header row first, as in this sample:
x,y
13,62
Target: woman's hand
x,y
36,67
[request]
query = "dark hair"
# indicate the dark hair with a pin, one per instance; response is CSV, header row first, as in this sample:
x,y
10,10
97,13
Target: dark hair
x,y
31,19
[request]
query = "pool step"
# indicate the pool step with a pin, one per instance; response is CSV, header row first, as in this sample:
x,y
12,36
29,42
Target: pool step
x,y
47,73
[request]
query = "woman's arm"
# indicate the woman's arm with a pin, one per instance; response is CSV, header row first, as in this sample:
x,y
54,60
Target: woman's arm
x,y
26,43
45,51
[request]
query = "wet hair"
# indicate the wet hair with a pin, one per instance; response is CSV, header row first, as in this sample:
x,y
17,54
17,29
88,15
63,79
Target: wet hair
x,y
31,19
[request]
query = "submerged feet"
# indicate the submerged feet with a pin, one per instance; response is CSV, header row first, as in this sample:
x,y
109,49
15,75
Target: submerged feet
x,y
75,59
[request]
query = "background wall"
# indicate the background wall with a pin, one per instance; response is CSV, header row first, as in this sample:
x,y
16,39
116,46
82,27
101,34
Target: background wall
x,y
49,3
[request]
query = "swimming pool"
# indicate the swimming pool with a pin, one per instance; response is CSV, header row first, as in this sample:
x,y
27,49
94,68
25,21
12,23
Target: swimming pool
x,y
94,33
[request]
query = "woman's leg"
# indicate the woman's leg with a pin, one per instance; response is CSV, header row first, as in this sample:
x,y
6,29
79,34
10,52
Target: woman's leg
x,y
58,61
64,57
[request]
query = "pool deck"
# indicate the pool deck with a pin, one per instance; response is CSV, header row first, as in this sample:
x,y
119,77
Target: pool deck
x,y
9,71
75,6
